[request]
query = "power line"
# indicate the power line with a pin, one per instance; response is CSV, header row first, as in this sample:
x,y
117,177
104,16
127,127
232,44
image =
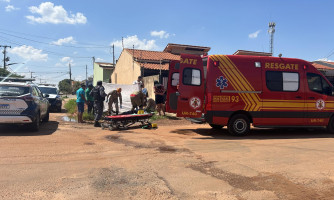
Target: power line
x,y
38,36
47,51
71,46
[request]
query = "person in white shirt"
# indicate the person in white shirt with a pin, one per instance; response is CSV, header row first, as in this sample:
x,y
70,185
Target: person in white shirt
x,y
140,83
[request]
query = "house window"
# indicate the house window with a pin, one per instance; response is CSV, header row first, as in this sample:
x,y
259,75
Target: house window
x,y
282,81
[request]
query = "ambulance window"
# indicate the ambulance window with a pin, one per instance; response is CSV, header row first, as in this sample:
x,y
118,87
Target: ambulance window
x,y
314,82
282,81
191,77
290,81
318,84
175,79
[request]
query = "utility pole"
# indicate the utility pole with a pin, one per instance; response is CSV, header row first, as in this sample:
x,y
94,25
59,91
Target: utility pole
x,y
113,55
31,74
69,65
5,59
86,76
271,31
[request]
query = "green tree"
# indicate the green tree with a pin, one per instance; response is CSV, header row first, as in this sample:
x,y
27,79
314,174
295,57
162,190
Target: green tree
x,y
5,73
65,86
76,85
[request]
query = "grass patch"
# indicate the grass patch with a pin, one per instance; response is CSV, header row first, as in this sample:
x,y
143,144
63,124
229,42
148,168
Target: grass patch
x,y
88,116
71,106
156,116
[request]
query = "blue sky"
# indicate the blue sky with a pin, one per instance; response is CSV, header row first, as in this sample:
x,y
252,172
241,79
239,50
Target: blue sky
x,y
47,35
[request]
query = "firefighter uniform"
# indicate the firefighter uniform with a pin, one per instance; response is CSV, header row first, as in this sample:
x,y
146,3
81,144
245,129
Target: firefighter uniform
x,y
112,98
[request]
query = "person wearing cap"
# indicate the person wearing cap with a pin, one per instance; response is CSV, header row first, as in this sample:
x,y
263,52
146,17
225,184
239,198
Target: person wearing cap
x,y
112,98
89,98
81,101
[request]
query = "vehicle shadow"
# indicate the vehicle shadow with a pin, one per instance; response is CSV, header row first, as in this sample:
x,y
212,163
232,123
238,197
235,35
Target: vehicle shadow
x,y
15,130
259,134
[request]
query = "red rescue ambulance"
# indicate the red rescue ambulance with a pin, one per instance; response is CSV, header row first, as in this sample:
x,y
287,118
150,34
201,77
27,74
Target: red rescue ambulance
x,y
236,90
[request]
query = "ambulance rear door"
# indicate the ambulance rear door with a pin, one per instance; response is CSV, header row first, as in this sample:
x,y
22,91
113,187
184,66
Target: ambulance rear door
x,y
191,87
173,82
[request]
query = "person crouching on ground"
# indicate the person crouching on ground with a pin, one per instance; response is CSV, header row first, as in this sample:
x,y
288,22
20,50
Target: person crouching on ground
x,y
81,102
150,108
137,100
112,98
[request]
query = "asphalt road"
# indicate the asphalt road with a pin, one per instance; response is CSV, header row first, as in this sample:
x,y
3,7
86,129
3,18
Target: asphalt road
x,y
179,160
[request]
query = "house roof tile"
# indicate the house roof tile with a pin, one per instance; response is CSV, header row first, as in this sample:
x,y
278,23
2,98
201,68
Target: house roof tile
x,y
323,65
152,55
155,66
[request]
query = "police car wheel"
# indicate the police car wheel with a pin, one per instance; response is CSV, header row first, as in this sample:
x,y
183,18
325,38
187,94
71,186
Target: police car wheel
x,y
239,125
330,126
215,126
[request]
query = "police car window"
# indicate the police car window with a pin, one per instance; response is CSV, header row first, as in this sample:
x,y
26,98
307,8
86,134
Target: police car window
x,y
34,92
191,77
282,81
175,79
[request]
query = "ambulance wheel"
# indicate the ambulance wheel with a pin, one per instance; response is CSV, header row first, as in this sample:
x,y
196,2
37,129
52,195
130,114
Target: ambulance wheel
x,y
215,126
330,126
238,125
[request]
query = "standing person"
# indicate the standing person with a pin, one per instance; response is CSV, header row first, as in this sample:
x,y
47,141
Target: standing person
x,y
114,96
81,101
140,83
159,91
89,98
99,96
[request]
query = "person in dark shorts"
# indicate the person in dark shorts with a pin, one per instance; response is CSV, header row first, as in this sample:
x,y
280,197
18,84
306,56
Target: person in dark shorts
x,y
159,91
81,101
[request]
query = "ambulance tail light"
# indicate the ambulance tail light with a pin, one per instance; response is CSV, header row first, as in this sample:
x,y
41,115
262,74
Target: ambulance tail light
x,y
209,102
216,63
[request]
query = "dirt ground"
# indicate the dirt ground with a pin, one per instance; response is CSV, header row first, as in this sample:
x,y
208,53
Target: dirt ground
x,y
179,160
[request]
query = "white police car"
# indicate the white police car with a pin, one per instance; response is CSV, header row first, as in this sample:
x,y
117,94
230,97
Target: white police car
x,y
54,97
23,103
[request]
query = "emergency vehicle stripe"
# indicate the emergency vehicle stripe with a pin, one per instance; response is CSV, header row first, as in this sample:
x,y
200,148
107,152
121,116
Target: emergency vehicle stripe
x,y
234,84
251,97
256,105
231,78
235,78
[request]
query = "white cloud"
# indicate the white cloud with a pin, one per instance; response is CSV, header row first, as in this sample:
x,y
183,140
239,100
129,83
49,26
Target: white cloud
x,y
10,8
99,60
66,60
59,65
6,1
254,35
29,52
68,40
161,34
325,59
49,13
138,44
